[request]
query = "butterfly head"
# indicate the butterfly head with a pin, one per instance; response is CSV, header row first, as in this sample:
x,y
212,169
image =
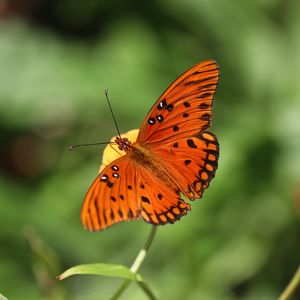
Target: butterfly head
x,y
123,143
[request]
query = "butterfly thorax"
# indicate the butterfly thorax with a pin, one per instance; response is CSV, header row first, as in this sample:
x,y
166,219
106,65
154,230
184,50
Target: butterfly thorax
x,y
123,143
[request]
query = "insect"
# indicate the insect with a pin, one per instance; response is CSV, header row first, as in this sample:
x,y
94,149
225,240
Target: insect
x,y
174,154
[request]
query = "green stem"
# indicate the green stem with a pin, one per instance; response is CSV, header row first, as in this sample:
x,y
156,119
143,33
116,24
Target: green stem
x,y
292,286
147,290
135,267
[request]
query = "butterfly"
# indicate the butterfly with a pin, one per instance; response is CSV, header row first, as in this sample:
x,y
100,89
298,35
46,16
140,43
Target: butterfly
x,y
173,154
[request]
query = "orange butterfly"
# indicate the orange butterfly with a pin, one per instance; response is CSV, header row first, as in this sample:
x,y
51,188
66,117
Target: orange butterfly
x,y
173,153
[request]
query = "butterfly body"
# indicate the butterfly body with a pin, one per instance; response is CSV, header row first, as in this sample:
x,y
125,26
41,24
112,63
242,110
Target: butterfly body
x,y
142,158
172,154
147,160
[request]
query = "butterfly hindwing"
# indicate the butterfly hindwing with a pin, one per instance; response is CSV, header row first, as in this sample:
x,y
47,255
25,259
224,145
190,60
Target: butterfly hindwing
x,y
184,109
191,161
160,204
112,196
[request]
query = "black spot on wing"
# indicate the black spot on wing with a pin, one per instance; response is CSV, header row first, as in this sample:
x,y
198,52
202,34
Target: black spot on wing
x,y
151,121
160,118
104,178
130,214
204,105
162,104
205,95
206,117
191,143
109,184
170,107
187,162
145,199
192,82
112,216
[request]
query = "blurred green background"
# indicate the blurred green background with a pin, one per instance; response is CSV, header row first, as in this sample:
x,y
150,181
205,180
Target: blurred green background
x,y
241,240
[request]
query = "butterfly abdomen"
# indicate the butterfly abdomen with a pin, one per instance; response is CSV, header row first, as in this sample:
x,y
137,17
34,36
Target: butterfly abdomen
x,y
144,158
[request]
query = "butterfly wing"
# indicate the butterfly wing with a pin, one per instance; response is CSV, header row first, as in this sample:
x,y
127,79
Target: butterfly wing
x,y
192,162
184,109
175,129
125,191
112,197
160,204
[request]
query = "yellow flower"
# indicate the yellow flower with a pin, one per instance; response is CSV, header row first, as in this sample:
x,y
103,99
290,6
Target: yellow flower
x,y
112,152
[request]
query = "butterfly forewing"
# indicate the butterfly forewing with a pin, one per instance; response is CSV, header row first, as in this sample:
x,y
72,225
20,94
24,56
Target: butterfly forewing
x,y
184,109
112,196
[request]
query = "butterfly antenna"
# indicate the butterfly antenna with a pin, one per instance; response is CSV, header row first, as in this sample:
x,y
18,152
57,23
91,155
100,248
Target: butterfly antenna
x,y
106,95
115,149
92,144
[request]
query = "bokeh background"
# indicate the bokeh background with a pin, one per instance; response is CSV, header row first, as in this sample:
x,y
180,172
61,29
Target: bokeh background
x,y
241,240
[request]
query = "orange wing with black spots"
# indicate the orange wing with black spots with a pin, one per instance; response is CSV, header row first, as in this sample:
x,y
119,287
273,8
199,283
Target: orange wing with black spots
x,y
160,204
112,197
184,109
123,192
192,162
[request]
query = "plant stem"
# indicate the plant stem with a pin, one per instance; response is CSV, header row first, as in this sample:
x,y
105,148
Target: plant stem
x,y
292,286
135,267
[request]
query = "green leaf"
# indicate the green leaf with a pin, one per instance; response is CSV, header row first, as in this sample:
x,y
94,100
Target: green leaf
x,y
119,271
2,297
